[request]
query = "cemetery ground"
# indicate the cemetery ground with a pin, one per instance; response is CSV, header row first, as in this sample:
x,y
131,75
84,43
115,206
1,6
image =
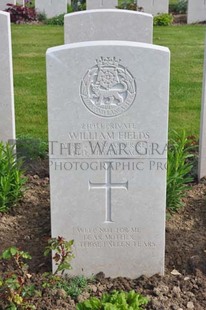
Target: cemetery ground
x,y
28,224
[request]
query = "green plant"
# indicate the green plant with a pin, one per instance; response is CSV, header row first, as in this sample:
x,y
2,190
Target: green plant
x,y
178,7
18,256
62,256
78,5
41,17
30,148
179,167
50,280
62,253
11,177
15,287
115,301
163,19
76,286
56,20
129,5
181,6
73,287
69,8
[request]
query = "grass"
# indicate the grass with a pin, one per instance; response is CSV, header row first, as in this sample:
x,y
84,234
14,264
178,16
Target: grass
x,y
30,43
186,44
29,47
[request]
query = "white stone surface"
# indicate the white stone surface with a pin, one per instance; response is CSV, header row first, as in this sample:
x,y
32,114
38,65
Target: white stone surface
x,y
196,11
101,4
95,25
154,7
3,4
104,99
7,119
51,7
202,142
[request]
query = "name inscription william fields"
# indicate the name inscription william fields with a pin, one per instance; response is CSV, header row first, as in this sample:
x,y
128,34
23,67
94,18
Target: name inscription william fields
x,y
90,141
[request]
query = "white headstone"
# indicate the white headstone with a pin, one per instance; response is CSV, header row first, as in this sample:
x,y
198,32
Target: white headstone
x,y
101,4
202,143
108,122
95,25
51,7
154,7
3,4
7,119
196,11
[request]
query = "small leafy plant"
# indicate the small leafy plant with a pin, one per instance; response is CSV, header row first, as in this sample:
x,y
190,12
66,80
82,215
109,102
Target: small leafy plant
x,y
163,19
180,7
41,17
72,287
11,177
18,257
179,167
78,5
21,14
115,301
56,20
75,286
62,253
31,148
15,287
62,257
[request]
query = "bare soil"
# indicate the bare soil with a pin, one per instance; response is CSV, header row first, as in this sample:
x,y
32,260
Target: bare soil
x,y
27,226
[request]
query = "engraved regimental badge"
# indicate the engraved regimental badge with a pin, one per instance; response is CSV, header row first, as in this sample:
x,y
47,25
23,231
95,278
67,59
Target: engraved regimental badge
x,y
108,89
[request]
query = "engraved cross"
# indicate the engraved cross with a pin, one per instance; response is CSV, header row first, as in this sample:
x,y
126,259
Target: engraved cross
x,y
108,186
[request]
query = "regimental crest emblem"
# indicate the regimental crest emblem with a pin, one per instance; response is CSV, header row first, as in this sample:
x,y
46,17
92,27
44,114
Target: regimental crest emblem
x,y
108,89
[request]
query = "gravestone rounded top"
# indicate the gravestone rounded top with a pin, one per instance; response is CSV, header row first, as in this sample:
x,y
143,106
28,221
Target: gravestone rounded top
x,y
6,14
61,48
107,11
108,24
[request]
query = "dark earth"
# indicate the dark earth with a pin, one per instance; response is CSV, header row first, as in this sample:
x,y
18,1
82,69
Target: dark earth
x,y
27,226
